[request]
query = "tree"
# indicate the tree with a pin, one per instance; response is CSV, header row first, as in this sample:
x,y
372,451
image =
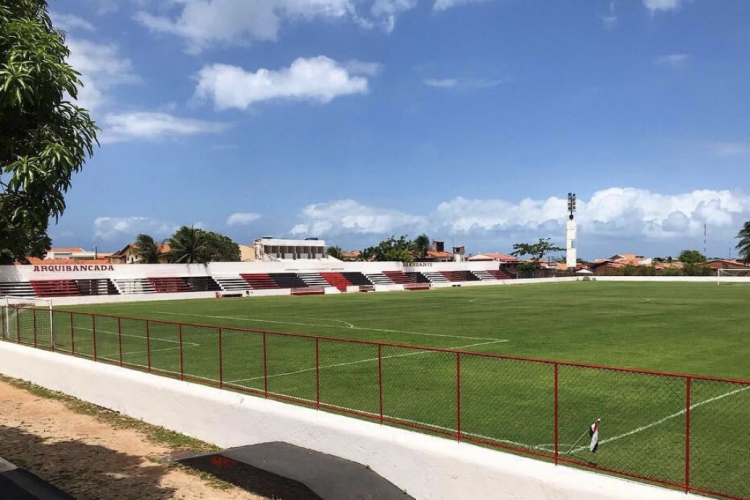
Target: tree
x,y
335,252
744,245
694,263
221,248
188,245
537,251
390,250
421,245
44,138
147,250
192,245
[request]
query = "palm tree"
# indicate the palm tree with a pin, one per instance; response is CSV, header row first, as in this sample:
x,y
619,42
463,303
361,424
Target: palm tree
x,y
146,249
421,246
188,246
335,252
744,245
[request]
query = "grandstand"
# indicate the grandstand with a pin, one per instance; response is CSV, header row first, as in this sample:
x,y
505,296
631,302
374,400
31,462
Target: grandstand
x,y
101,283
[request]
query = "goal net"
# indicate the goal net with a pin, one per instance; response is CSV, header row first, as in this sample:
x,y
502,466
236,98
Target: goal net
x,y
733,276
27,320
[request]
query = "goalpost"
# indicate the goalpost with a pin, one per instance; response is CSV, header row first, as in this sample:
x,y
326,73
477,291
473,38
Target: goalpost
x,y
726,275
27,320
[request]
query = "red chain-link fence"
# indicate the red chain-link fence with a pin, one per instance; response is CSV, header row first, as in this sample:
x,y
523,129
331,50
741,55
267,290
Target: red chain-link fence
x,y
683,431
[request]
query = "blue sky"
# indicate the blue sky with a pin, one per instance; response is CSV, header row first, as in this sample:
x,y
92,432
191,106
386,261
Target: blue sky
x,y
468,120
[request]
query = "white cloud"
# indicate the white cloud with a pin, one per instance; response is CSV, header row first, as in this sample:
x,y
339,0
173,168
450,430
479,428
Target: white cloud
x,y
349,216
69,22
673,60
205,22
391,7
609,21
113,228
101,69
151,126
664,5
242,219
614,213
447,4
471,83
442,83
315,79
731,148
363,68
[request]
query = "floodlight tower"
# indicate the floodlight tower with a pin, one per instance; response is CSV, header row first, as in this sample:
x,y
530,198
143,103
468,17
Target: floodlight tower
x,y
570,240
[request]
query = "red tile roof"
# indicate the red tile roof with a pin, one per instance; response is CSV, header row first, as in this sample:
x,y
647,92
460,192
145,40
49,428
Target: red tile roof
x,y
66,249
494,256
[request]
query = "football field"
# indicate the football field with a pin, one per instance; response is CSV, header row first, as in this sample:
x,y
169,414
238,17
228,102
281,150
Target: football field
x,y
685,328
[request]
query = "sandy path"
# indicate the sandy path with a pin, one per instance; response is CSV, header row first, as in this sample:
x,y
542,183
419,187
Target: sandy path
x,y
90,458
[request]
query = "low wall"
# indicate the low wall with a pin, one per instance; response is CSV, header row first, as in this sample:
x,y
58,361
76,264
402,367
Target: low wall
x,y
425,466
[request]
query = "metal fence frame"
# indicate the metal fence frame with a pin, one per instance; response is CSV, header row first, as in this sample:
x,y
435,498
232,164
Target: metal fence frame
x,y
558,456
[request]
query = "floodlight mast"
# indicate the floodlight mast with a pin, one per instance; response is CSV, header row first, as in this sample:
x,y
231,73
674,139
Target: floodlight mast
x,y
570,239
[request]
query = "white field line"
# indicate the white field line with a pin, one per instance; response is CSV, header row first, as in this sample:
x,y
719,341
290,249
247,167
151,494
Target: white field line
x,y
257,320
661,421
150,338
368,360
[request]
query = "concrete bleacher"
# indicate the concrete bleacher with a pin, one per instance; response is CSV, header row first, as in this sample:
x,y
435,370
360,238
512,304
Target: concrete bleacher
x,y
399,277
337,280
83,283
379,279
288,280
435,277
459,276
357,279
169,285
260,281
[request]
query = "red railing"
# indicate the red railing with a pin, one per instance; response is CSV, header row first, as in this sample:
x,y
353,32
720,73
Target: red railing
x,y
684,431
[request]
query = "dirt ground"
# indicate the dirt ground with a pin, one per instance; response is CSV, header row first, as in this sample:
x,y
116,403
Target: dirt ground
x,y
91,458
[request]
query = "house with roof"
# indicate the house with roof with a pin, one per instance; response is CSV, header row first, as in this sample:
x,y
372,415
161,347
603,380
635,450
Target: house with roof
x,y
129,254
716,264
497,257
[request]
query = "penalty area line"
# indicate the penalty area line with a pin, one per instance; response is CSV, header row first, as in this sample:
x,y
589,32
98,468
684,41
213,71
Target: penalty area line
x,y
665,419
348,327
368,360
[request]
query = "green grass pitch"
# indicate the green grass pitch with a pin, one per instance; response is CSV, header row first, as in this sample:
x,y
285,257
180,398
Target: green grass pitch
x,y
691,328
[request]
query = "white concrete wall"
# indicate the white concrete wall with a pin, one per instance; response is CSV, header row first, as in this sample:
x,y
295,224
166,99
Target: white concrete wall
x,y
427,467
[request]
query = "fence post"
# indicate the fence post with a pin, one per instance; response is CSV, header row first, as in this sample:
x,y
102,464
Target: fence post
x,y
557,422
687,434
265,367
221,359
18,324
148,346
93,333
72,336
380,379
458,395
317,372
119,338
182,366
33,322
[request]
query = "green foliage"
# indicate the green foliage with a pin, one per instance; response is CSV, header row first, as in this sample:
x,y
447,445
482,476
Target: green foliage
x,y
44,138
691,257
391,250
744,245
537,250
191,245
694,263
335,252
221,248
421,245
147,250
